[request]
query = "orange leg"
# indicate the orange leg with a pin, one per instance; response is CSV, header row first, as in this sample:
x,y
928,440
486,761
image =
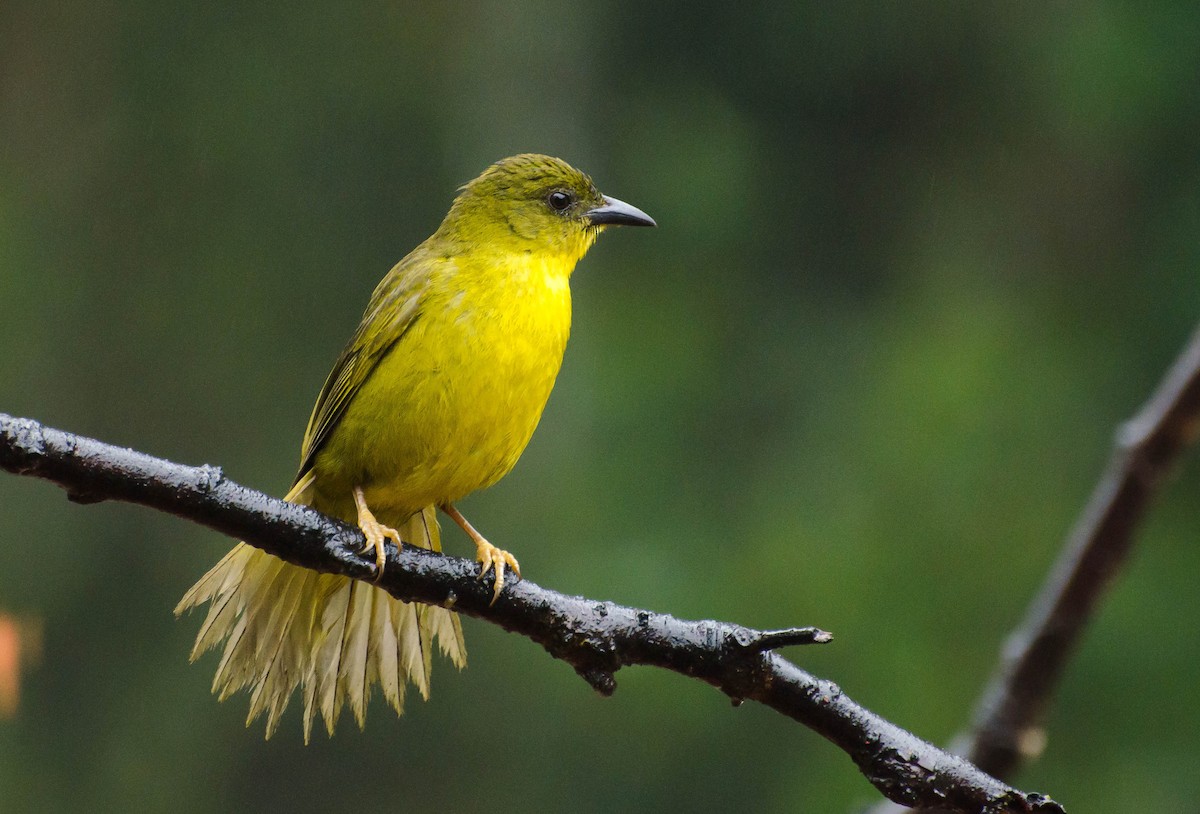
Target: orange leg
x,y
491,558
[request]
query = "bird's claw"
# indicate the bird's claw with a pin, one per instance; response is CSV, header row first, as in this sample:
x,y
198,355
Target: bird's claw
x,y
495,559
376,533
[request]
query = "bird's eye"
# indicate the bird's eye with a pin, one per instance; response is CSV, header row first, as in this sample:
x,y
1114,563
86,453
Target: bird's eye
x,y
559,201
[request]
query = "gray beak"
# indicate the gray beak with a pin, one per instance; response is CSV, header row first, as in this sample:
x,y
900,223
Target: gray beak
x,y
618,213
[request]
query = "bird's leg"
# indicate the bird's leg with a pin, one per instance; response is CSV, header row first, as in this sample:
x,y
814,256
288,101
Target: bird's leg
x,y
374,531
490,557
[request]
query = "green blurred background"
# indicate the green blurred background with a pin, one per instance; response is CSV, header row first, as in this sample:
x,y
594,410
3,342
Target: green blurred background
x,y
915,263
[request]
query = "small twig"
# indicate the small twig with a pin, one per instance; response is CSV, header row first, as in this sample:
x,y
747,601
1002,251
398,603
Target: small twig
x,y
763,640
596,638
1008,719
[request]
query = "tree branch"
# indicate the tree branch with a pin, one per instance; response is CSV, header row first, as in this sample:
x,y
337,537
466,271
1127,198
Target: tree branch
x,y
1007,727
596,638
1009,717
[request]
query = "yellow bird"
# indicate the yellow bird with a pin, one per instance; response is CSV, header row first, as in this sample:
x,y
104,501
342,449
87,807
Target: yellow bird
x,y
435,396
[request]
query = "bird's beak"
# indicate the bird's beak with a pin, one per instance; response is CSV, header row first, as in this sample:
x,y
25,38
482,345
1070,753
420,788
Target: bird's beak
x,y
618,213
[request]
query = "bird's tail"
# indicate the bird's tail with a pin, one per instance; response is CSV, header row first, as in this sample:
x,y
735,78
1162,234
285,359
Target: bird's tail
x,y
286,627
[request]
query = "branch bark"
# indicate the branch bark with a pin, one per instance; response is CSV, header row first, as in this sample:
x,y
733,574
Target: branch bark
x,y
1007,727
596,638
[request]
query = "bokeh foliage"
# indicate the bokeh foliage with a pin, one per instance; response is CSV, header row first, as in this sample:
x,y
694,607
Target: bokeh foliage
x,y
916,261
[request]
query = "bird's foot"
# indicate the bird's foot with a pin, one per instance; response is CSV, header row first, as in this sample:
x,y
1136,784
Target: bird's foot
x,y
495,559
375,532
490,558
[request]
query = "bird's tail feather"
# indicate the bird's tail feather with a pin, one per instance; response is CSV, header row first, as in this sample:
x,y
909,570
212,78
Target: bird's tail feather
x,y
286,627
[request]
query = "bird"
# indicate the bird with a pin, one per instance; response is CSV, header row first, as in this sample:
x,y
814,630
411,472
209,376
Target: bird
x,y
434,397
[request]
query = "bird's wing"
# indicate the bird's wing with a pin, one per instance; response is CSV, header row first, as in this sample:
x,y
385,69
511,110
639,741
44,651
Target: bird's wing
x,y
394,308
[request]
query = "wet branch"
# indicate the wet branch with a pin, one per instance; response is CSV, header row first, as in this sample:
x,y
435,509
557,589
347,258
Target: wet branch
x,y
596,638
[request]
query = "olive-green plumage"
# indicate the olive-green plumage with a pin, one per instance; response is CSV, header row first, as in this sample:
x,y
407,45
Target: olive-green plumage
x,y
435,396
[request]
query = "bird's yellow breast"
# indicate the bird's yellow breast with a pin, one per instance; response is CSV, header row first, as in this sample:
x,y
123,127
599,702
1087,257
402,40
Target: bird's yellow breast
x,y
452,405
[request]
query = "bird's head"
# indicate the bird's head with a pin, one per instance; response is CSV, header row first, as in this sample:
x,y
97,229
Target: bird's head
x,y
537,203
